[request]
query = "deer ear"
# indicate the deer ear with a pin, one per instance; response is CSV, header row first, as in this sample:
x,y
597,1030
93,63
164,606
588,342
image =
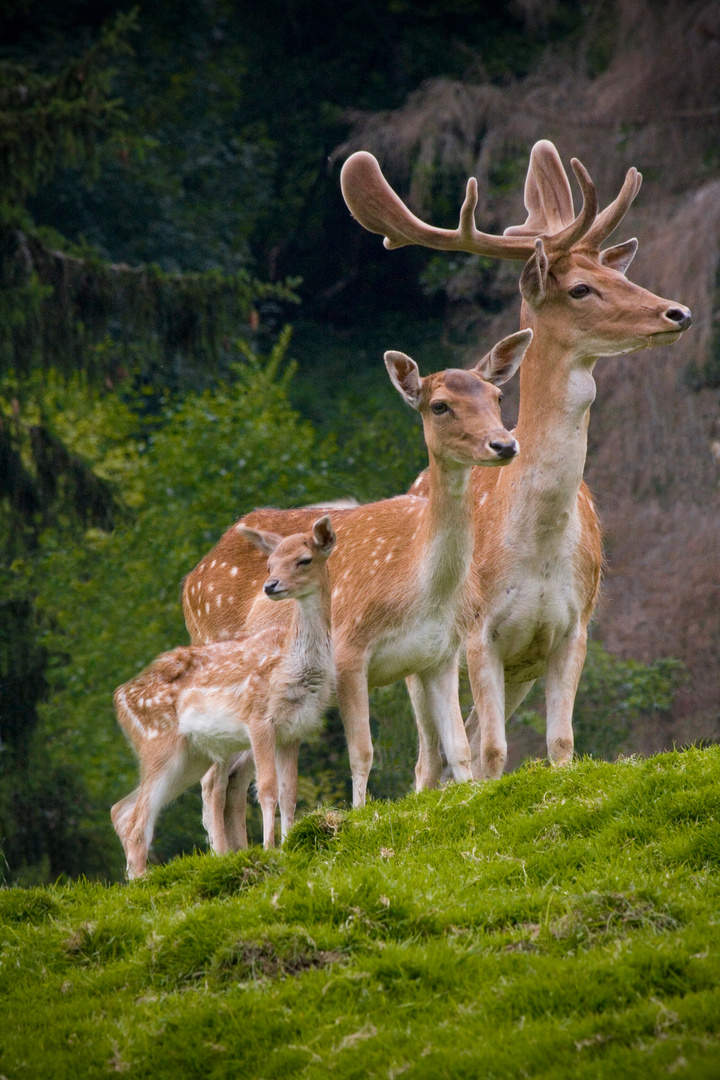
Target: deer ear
x,y
266,541
404,376
503,360
533,280
324,535
619,257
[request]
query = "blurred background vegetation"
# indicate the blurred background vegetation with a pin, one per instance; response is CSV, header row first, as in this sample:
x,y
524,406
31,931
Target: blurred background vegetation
x,y
169,204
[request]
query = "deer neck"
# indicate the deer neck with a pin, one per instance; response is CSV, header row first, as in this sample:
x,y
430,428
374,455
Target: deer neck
x,y
310,634
556,391
447,530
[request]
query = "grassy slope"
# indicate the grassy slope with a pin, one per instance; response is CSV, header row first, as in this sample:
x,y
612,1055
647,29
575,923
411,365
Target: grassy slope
x,y
550,924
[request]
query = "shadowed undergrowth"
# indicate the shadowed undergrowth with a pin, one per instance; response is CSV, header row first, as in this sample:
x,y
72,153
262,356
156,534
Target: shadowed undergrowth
x,y
550,924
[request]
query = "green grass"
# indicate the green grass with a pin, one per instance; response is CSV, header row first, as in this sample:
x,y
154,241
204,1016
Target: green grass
x,y
550,924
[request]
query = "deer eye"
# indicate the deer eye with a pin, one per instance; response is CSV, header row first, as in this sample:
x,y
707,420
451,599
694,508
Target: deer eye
x,y
578,291
439,407
303,562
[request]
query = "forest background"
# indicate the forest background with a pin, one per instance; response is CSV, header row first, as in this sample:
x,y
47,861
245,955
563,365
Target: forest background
x,y
169,205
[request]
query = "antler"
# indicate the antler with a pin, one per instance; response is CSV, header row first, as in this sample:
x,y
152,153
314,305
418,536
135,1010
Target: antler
x,y
375,205
548,198
607,221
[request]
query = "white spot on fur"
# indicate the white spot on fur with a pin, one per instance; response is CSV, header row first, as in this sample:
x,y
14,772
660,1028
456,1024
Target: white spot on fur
x,y
219,600
234,571
207,608
213,563
389,556
211,588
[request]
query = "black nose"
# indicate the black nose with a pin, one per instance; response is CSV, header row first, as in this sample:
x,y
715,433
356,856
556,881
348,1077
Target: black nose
x,y
504,449
681,316
270,586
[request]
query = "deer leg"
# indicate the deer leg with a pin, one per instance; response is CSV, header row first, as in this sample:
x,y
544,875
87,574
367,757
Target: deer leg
x,y
486,734
242,773
352,698
441,706
166,777
120,815
263,748
214,789
429,765
286,761
515,694
564,669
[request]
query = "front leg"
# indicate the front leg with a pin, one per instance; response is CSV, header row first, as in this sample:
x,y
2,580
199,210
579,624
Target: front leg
x,y
263,748
488,743
564,669
354,705
286,762
434,695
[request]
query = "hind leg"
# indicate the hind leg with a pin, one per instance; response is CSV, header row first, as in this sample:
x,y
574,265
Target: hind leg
x,y
120,815
241,775
163,779
429,764
263,747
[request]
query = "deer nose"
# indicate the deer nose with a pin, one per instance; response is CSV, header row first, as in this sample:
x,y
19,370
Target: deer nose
x,y
504,449
270,586
679,315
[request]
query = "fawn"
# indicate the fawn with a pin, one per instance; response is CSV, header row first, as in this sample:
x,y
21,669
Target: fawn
x,y
199,705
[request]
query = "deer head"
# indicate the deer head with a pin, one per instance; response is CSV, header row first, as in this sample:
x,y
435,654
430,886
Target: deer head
x,y
460,410
296,564
581,291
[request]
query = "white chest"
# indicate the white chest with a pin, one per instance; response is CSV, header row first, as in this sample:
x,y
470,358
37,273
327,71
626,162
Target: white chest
x,y
298,711
538,605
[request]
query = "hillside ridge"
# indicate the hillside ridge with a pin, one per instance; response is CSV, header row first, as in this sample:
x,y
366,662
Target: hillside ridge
x,y
548,924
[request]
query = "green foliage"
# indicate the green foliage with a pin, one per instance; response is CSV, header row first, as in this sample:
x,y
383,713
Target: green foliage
x,y
613,693
554,923
107,602
49,121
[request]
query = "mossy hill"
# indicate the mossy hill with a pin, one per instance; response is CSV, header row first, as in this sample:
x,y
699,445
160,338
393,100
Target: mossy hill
x,y
549,924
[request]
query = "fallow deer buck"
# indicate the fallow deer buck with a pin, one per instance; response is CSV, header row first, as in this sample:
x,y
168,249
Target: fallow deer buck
x,y
201,704
399,579
538,555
